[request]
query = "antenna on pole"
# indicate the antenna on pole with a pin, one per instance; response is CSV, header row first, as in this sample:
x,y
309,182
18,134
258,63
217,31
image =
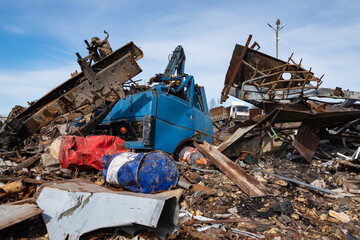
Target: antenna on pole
x,y
277,30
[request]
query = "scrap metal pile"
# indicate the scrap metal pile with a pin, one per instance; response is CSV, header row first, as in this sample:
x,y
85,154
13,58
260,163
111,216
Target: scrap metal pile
x,y
97,88
290,173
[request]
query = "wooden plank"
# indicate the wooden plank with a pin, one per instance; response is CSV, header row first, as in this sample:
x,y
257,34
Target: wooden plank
x,y
25,179
27,163
13,214
247,183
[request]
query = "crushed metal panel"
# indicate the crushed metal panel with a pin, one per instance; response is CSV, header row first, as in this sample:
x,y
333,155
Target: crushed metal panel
x,y
239,133
12,214
247,183
253,144
74,81
77,206
249,144
85,93
306,142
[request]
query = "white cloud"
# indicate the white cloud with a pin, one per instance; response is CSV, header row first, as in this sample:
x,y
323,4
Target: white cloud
x,y
325,36
18,88
13,29
330,49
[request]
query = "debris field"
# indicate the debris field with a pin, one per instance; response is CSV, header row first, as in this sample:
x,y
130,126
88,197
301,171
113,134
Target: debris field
x,y
103,157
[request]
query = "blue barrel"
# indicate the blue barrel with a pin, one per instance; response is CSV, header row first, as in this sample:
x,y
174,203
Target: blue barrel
x,y
141,172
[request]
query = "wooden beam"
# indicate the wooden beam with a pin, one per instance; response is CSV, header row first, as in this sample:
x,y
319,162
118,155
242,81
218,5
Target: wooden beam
x,y
247,183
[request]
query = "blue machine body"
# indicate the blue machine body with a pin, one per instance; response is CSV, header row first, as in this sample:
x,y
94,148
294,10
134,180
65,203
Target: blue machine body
x,y
165,116
162,118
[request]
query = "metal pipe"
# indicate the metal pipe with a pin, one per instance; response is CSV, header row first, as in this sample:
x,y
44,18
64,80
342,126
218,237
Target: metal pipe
x,y
277,30
295,181
184,185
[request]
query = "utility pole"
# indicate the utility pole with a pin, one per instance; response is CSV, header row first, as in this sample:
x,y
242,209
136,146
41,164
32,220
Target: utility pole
x,y
277,30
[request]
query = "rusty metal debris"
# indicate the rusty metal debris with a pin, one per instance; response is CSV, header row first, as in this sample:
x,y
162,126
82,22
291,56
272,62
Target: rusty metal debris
x,y
79,96
256,74
262,71
256,77
306,142
285,170
239,141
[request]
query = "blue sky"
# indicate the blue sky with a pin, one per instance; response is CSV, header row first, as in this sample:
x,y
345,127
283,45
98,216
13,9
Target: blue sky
x,y
39,38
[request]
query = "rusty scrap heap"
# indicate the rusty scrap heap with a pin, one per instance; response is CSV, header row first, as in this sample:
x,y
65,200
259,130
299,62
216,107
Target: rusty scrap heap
x,y
288,170
102,82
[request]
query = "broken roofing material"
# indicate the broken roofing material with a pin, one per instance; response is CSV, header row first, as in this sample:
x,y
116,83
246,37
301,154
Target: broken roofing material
x,y
256,77
325,121
74,207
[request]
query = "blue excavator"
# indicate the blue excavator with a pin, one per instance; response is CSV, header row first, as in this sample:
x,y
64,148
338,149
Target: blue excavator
x,y
169,113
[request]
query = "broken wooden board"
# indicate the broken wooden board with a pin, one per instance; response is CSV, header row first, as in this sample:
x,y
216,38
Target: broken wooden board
x,y
351,185
12,214
244,181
